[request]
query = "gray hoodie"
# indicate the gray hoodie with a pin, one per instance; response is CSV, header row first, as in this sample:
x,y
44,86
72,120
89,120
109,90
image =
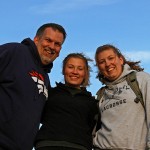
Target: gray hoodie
x,y
125,124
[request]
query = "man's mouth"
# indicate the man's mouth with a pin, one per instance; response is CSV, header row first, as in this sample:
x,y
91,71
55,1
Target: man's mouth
x,y
50,51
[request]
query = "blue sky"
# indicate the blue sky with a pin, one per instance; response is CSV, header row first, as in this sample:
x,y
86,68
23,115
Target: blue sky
x,y
88,23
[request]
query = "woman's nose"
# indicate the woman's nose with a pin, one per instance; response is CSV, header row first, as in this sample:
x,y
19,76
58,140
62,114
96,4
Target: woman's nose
x,y
107,62
75,70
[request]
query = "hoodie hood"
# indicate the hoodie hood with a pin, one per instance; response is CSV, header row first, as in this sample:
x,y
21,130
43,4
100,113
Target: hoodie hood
x,y
34,51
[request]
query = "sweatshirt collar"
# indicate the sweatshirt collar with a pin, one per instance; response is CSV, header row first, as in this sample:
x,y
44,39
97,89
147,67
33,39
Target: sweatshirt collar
x,y
73,90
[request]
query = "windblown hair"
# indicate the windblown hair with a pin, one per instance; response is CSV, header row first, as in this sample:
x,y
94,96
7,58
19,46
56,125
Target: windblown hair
x,y
86,81
133,64
54,26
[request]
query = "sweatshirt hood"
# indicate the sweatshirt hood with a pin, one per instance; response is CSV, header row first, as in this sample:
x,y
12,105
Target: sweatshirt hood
x,y
33,49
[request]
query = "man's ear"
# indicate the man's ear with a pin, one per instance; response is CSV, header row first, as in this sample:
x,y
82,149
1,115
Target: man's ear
x,y
36,39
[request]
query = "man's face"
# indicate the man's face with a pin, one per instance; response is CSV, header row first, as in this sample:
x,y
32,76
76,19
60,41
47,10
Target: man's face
x,y
49,45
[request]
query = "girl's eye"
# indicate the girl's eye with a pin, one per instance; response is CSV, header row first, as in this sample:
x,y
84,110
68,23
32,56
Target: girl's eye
x,y
70,66
111,58
80,68
100,62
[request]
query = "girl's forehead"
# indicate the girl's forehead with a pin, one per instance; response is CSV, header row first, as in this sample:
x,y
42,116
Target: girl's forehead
x,y
106,52
75,59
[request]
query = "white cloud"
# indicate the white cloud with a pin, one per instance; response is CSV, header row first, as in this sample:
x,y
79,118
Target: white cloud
x,y
67,5
143,56
132,55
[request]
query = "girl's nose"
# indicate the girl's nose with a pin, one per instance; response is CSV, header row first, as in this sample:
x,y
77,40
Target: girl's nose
x,y
75,70
107,62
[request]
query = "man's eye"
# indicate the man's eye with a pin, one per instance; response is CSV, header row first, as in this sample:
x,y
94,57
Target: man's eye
x,y
58,44
48,40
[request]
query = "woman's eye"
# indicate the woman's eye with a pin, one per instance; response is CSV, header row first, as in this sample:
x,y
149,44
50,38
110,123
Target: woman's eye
x,y
100,62
80,68
111,58
70,66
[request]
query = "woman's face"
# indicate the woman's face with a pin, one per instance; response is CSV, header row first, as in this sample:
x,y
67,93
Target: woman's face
x,y
109,64
74,72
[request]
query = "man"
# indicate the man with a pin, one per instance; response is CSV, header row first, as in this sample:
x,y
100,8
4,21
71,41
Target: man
x,y
23,85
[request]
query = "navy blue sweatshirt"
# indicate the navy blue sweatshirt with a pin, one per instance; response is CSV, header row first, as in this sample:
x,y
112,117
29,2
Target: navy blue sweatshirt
x,y
23,92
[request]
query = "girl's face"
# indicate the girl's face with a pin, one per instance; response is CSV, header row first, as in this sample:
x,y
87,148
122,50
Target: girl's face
x,y
75,72
109,64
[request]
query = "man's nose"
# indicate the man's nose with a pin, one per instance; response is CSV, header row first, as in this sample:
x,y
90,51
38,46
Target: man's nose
x,y
51,45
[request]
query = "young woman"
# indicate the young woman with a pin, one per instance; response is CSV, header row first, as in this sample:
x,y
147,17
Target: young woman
x,y
125,124
69,114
